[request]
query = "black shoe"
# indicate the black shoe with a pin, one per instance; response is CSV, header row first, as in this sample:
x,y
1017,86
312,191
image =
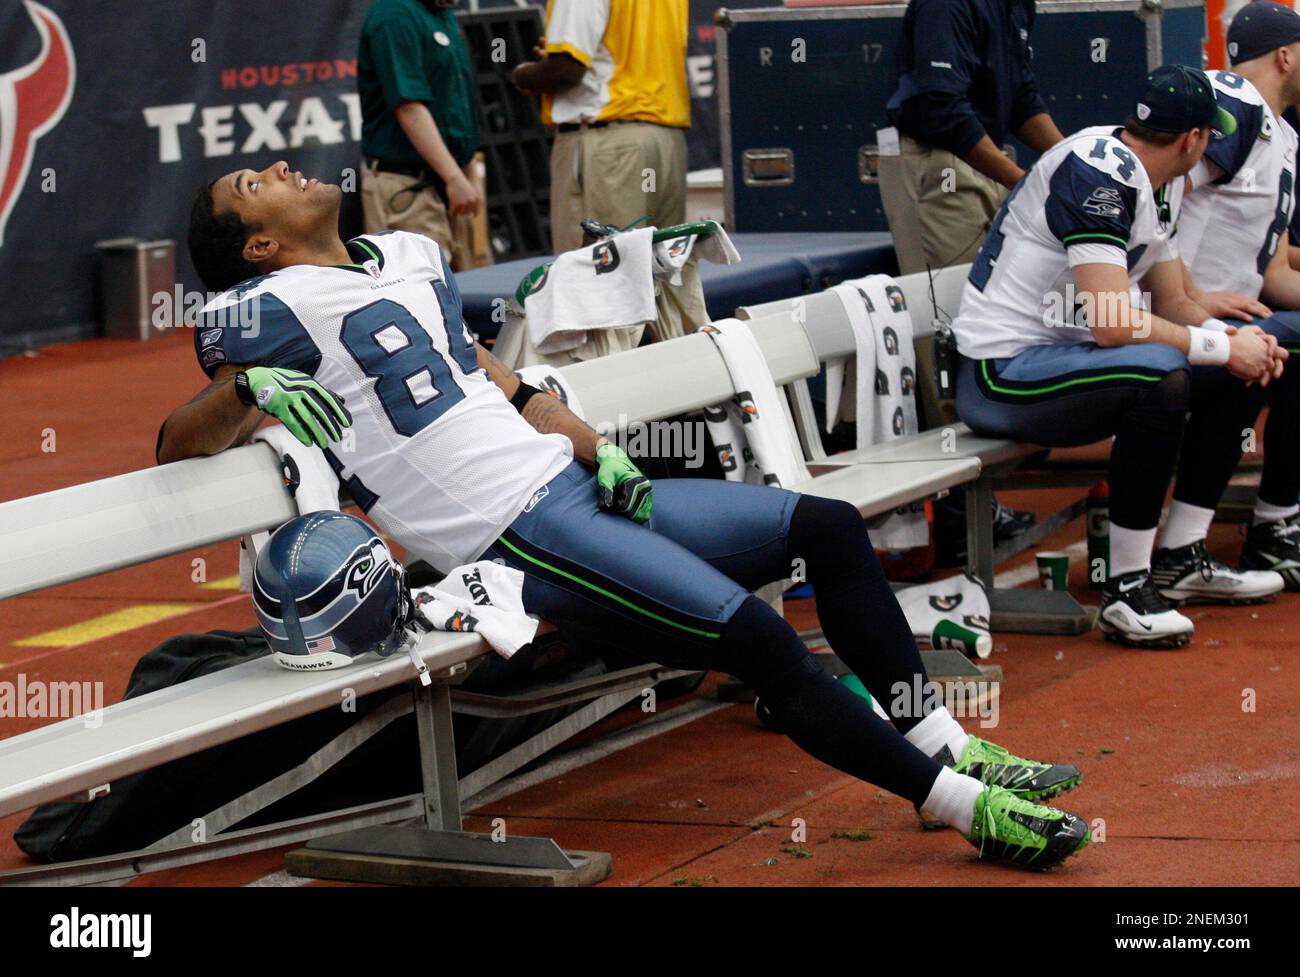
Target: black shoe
x,y
1134,613
1275,546
1189,575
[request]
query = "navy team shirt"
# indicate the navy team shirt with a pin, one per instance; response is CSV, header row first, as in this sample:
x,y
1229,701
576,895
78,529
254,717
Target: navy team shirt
x,y
964,73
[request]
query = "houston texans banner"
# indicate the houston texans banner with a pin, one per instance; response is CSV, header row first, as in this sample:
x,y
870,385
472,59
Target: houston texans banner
x,y
113,112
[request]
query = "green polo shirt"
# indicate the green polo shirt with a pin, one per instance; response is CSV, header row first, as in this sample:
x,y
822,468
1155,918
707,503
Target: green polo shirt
x,y
411,53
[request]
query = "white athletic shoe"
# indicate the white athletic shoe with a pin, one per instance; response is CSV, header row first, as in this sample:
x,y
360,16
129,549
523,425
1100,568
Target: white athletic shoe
x,y
1134,613
1189,575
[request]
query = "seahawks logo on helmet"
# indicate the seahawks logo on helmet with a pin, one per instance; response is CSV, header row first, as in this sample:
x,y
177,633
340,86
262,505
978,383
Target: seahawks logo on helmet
x,y
368,564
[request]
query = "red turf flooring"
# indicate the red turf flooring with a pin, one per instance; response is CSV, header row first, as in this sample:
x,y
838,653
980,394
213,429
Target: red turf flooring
x,y
1191,789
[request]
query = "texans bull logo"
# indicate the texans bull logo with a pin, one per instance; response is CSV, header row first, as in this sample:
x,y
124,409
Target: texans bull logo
x,y
33,99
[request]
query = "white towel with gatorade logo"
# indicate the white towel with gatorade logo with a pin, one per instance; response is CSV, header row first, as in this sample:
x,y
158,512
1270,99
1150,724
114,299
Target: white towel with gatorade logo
x,y
312,481
671,256
752,432
550,380
607,285
884,401
485,598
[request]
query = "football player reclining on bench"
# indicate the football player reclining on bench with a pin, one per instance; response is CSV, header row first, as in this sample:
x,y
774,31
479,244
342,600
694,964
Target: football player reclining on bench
x,y
1055,352
457,459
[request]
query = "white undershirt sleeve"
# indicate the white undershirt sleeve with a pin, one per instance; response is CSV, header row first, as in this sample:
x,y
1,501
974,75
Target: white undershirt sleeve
x,y
1093,253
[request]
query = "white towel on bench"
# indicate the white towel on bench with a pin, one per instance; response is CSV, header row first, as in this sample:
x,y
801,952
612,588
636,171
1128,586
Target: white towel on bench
x,y
483,597
885,386
671,256
550,380
607,285
317,489
751,432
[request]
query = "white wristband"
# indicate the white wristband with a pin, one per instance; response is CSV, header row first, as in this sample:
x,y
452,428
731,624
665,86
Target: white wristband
x,y
1207,348
1215,325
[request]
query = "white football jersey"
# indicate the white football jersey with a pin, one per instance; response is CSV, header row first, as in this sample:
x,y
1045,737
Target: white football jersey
x,y
1244,194
436,454
1087,200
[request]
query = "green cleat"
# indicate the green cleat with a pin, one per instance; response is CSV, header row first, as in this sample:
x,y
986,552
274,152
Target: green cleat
x,y
1010,829
1028,779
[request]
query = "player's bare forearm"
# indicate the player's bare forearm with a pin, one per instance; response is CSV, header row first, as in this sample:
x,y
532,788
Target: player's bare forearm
x,y
549,416
1102,289
214,420
545,413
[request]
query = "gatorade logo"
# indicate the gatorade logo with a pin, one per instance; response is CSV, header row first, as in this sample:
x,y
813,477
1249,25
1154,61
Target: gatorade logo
x,y
605,257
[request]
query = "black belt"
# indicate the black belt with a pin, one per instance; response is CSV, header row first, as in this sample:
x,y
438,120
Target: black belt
x,y
417,170
424,176
575,126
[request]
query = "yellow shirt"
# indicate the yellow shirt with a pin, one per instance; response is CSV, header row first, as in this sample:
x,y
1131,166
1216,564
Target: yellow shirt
x,y
635,55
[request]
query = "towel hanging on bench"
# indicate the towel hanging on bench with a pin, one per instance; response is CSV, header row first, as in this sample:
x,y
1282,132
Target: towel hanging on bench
x,y
605,286
884,371
549,379
483,597
670,257
751,432
317,489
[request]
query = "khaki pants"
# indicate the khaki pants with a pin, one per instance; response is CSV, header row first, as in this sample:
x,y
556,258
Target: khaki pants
x,y
938,207
385,207
616,174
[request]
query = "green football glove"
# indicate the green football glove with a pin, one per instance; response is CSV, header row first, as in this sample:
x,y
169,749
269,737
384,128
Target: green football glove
x,y
313,414
623,489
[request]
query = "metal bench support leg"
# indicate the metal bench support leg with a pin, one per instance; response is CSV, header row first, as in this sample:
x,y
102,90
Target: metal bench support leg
x,y
441,853
979,529
437,756
1015,610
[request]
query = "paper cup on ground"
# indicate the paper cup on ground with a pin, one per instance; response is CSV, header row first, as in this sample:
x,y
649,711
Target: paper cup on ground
x,y
1054,570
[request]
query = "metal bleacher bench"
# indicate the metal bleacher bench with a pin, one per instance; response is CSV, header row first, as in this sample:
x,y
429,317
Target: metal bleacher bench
x,y
929,296
85,530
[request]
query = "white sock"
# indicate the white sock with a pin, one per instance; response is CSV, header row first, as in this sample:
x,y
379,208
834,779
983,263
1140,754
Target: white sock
x,y
1185,525
936,731
952,799
1130,549
1267,512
